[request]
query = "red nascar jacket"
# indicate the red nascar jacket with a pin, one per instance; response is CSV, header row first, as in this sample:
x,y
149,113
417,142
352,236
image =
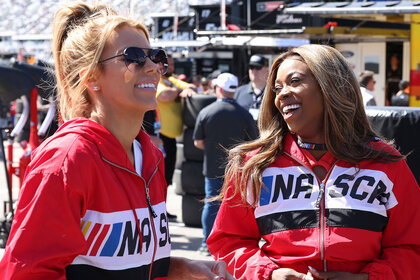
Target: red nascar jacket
x,y
355,220
82,207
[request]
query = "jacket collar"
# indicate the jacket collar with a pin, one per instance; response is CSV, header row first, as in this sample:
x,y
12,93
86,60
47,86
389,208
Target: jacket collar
x,y
304,157
291,148
108,145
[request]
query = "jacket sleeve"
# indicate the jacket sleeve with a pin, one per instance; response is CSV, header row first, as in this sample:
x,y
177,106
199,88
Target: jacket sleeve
x,y
234,239
400,257
45,235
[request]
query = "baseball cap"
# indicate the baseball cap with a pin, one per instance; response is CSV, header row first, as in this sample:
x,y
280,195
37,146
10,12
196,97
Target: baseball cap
x,y
227,82
214,74
204,81
258,61
182,77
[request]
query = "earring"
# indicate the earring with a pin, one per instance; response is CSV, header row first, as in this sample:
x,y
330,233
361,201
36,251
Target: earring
x,y
95,88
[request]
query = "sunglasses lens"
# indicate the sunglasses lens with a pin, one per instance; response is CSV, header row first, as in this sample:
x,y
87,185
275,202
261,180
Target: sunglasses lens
x,y
160,58
135,58
252,67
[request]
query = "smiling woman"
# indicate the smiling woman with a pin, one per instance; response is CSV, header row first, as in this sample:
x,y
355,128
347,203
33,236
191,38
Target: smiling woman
x,y
123,97
299,100
329,197
93,201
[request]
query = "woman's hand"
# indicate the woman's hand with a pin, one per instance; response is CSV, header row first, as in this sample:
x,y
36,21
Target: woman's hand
x,y
289,274
182,268
189,91
338,275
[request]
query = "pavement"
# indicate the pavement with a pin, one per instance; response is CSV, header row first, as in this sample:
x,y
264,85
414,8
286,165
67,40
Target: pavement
x,y
185,240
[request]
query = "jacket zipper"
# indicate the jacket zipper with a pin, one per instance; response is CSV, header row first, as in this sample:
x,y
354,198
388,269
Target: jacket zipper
x,y
322,221
146,186
320,204
152,213
154,248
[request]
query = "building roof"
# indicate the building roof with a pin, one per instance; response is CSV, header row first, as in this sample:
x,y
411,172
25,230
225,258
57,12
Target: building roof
x,y
354,8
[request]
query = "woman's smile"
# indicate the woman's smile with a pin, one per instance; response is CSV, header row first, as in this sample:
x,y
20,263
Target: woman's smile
x,y
146,85
290,110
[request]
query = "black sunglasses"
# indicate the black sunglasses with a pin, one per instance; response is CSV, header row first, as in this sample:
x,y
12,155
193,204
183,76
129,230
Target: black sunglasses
x,y
135,58
257,67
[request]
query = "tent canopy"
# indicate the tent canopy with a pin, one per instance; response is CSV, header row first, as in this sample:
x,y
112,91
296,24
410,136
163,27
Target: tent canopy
x,y
14,83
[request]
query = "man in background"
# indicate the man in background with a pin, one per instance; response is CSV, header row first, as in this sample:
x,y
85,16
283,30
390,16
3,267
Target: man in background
x,y
250,95
402,97
367,86
219,126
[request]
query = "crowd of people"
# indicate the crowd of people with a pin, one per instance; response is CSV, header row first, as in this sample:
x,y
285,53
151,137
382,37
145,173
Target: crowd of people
x,y
290,159
35,16
250,95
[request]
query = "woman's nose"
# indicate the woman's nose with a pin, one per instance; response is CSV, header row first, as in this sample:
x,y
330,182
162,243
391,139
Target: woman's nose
x,y
284,92
150,66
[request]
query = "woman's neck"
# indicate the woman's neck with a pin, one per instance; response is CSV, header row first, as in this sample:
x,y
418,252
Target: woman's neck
x,y
124,129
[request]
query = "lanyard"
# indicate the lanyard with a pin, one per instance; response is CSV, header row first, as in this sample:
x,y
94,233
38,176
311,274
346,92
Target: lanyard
x,y
256,98
228,100
157,124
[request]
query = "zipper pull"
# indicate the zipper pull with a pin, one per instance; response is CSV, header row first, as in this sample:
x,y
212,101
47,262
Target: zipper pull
x,y
319,198
150,204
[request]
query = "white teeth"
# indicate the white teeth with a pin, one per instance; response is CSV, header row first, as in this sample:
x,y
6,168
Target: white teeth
x,y
150,85
291,107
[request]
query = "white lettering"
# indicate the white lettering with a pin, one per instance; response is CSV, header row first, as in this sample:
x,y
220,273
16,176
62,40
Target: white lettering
x,y
287,19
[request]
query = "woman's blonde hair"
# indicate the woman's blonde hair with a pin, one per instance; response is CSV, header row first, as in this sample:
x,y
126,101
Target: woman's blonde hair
x,y
80,32
346,127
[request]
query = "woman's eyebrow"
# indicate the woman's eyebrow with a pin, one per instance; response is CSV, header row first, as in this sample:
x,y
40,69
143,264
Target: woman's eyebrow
x,y
290,74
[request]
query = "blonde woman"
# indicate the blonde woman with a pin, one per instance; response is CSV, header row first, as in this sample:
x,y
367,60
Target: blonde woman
x,y
93,204
329,198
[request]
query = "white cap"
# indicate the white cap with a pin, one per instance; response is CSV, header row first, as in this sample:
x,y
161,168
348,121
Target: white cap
x,y
227,82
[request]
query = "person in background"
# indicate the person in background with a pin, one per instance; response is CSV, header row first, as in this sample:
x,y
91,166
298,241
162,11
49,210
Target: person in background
x,y
182,77
367,86
169,113
195,80
330,199
219,126
250,95
93,201
211,79
205,86
393,77
402,97
152,128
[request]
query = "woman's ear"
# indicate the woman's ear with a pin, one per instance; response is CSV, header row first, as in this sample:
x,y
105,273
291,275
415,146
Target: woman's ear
x,y
91,83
